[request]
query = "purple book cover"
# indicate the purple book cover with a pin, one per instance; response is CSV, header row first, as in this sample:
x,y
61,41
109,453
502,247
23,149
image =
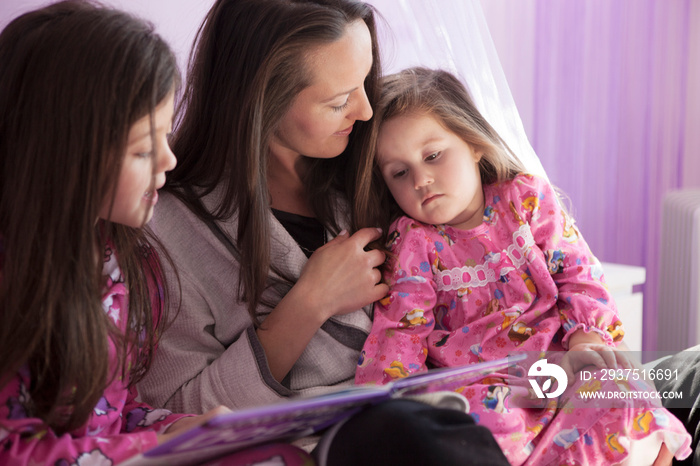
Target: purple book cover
x,y
300,417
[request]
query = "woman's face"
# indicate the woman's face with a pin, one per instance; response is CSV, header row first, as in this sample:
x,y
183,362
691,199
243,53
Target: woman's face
x,y
321,118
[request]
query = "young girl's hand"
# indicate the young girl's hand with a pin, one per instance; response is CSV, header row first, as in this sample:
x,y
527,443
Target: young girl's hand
x,y
589,349
187,423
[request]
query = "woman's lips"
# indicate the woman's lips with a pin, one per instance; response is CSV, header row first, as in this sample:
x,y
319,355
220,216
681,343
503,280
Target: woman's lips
x,y
344,132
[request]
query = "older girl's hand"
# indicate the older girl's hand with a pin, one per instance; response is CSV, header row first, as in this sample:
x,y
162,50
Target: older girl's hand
x,y
186,423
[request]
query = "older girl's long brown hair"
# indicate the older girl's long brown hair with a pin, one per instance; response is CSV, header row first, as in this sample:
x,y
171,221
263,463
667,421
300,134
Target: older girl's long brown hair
x,y
74,77
247,67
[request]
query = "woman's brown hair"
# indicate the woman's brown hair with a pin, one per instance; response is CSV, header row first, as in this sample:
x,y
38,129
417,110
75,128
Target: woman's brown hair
x,y
74,78
247,67
441,95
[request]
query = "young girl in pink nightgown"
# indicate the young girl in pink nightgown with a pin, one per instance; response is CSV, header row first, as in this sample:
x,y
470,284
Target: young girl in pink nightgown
x,y
86,105
485,262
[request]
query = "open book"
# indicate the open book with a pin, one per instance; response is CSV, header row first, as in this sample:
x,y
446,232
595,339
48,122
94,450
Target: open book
x,y
299,417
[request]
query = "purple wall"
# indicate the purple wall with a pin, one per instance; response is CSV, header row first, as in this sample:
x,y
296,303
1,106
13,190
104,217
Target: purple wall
x,y
609,92
176,20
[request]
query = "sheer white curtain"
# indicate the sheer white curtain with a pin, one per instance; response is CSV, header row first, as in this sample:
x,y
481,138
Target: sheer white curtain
x,y
454,36
609,92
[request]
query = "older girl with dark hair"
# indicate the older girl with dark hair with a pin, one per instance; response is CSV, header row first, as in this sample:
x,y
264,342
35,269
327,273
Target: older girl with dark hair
x,y
86,103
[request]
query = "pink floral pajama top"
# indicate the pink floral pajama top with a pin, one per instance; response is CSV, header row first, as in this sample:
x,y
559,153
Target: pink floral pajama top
x,y
119,427
524,280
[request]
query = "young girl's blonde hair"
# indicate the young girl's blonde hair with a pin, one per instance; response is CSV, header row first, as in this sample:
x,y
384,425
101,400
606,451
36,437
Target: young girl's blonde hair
x,y
441,95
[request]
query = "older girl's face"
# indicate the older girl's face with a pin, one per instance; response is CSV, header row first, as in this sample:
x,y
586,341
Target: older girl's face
x,y
321,118
136,190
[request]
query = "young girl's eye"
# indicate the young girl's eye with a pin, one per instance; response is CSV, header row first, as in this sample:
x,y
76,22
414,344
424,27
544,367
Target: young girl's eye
x,y
399,174
432,156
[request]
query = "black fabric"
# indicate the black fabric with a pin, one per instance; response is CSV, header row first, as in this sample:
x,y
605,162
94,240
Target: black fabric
x,y
405,432
687,363
351,337
307,231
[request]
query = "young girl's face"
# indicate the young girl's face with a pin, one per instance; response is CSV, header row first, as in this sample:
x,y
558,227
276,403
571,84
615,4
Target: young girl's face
x,y
431,172
136,190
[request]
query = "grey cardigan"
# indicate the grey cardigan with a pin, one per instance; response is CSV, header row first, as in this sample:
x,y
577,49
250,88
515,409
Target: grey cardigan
x,y
210,354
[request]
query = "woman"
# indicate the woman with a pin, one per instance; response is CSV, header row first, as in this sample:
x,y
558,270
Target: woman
x,y
238,143
275,294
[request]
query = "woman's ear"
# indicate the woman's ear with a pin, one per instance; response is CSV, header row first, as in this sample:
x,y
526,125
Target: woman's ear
x,y
477,154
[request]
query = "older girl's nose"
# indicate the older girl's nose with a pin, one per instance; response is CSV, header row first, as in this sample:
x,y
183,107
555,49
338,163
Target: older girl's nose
x,y
166,158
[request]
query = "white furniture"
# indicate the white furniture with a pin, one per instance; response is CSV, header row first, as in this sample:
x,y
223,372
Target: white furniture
x,y
678,300
621,279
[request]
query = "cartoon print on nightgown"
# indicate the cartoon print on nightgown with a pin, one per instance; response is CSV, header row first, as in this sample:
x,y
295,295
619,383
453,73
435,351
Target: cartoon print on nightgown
x,y
363,359
396,370
555,261
393,240
570,233
413,318
567,437
92,458
508,318
519,333
17,406
616,331
442,316
144,417
102,408
495,398
490,215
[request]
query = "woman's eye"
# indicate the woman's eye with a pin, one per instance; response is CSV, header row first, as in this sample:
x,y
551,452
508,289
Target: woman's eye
x,y
340,108
143,155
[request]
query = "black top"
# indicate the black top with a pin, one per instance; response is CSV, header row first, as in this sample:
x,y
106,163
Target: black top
x,y
307,231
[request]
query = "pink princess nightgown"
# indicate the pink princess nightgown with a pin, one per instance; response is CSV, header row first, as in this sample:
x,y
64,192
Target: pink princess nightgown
x,y
524,280
119,427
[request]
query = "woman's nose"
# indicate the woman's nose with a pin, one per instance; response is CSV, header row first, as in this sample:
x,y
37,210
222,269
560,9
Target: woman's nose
x,y
363,111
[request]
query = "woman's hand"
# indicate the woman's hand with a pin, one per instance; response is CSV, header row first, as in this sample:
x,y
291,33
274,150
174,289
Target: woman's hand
x,y
186,423
340,277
